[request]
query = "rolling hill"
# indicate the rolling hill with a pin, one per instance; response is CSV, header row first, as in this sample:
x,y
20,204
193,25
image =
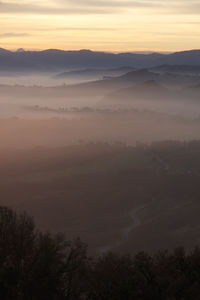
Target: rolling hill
x,y
59,60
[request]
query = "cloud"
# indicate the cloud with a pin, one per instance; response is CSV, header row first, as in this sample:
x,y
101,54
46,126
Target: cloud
x,y
71,7
178,6
76,29
108,3
11,35
21,8
78,7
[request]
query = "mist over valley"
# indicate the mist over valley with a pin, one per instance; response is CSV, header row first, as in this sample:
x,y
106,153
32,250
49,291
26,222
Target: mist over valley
x,y
107,154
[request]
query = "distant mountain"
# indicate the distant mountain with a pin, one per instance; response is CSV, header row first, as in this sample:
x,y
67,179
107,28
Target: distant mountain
x,y
20,50
4,51
138,76
178,69
94,73
191,57
59,60
144,90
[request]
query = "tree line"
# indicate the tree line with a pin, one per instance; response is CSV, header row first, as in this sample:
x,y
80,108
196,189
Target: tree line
x,y
38,265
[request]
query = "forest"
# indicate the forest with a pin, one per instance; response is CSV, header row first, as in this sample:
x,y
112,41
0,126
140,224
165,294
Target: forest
x,y
38,265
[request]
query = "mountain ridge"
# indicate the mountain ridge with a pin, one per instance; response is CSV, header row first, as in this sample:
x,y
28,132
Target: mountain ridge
x,y
62,60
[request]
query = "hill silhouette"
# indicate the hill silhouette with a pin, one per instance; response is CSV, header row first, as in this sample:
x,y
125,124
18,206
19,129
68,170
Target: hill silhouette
x,y
57,60
150,89
178,69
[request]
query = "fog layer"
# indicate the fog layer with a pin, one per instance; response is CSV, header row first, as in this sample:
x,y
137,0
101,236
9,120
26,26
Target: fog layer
x,y
88,158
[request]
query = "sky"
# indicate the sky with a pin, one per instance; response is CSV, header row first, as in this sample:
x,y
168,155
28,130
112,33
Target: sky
x,y
101,25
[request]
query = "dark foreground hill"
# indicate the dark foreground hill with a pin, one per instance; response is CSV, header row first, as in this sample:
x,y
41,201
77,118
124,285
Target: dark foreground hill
x,y
35,266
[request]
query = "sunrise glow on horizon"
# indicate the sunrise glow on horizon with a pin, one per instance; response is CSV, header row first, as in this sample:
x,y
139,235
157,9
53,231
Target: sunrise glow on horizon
x,y
113,25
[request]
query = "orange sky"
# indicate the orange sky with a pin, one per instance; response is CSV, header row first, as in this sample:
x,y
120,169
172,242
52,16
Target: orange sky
x,y
109,25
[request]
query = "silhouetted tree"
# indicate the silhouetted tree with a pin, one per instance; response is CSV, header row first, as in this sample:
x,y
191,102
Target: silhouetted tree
x,y
37,266
112,278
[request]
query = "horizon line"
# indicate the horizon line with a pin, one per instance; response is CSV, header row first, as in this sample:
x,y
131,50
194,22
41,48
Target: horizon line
x,y
101,51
